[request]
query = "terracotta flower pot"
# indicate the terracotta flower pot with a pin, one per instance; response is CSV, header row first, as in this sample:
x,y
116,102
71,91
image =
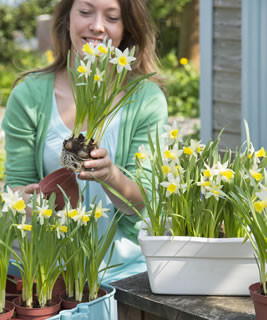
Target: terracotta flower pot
x,y
13,290
8,311
66,179
260,301
70,304
36,313
59,287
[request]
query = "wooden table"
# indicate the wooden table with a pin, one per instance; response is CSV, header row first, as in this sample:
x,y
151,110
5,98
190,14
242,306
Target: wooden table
x,y
137,302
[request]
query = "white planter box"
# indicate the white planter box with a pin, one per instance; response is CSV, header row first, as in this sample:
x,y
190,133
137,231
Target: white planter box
x,y
198,266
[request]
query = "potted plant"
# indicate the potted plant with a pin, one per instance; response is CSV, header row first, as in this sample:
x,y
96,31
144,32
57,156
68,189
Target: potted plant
x,y
7,237
192,238
82,274
97,79
252,211
41,240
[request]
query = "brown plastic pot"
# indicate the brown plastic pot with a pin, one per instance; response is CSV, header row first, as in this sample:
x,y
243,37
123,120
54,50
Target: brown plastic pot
x,y
59,287
13,290
36,313
66,179
69,304
8,311
260,301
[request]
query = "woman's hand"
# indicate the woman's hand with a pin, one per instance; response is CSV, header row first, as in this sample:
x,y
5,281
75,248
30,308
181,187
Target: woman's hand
x,y
101,167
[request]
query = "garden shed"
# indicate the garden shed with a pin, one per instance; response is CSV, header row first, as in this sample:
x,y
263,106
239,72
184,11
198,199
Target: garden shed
x,y
233,51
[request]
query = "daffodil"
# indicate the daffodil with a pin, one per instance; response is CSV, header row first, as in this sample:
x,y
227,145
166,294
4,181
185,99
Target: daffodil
x,y
255,174
60,230
260,153
172,133
141,154
44,212
13,201
98,77
99,211
197,146
81,216
122,60
173,185
24,227
224,173
84,69
183,61
205,184
90,52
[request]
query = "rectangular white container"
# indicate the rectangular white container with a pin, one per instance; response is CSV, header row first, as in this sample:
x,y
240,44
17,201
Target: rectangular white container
x,y
198,266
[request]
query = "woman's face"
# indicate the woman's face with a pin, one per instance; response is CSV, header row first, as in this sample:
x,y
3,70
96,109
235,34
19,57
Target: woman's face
x,y
92,21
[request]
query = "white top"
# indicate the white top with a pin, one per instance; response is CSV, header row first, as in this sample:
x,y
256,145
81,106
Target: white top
x,y
125,251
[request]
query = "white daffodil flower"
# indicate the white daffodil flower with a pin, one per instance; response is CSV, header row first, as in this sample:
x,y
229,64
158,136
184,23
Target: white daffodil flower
x,y
262,195
172,154
84,69
212,191
24,227
197,146
172,133
255,173
209,172
173,185
90,52
13,201
142,154
98,77
122,60
63,215
224,173
99,211
205,184
80,215
44,212
61,230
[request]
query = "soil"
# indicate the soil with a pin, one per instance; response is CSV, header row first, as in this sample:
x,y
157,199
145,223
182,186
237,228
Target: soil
x,y
78,146
37,305
85,298
75,151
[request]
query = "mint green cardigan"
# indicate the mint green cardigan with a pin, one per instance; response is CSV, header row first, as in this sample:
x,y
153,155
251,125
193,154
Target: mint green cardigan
x,y
26,122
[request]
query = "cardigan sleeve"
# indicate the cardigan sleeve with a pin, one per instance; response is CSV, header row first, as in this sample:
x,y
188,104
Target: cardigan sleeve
x,y
148,111
20,126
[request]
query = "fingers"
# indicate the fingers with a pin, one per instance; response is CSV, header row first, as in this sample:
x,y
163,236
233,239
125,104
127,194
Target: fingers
x,y
99,167
30,188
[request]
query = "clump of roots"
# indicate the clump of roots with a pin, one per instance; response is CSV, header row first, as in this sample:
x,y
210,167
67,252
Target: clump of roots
x,y
75,151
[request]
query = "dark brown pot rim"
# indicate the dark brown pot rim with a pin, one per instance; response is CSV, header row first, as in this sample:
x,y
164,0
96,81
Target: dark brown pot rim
x,y
37,311
60,177
9,306
254,290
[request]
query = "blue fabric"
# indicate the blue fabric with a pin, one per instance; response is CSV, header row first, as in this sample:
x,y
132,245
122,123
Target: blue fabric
x,y
126,251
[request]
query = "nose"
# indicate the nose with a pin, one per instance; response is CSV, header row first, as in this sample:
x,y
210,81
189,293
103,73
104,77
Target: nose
x,y
97,24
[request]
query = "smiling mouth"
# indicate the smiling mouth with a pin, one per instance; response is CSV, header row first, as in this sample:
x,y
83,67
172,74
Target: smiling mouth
x,y
92,40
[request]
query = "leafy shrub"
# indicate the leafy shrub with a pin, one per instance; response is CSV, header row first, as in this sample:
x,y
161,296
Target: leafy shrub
x,y
22,61
7,27
182,82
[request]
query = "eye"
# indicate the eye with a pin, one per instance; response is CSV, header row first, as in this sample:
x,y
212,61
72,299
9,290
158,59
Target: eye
x,y
113,19
85,12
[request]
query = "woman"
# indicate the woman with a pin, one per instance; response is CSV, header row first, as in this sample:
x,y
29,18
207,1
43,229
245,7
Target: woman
x,y
41,111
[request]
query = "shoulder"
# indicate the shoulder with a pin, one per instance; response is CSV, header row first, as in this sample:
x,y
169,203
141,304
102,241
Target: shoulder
x,y
149,98
34,83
